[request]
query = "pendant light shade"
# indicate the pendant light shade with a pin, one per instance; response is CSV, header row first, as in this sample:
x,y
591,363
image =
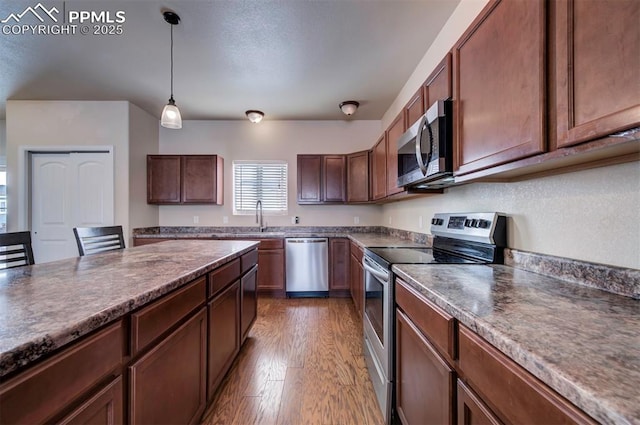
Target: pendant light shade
x,y
171,117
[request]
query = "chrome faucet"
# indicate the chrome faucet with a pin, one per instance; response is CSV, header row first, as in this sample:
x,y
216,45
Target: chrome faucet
x,y
259,216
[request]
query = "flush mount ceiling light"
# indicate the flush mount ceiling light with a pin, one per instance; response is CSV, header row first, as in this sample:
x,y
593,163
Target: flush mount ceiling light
x,y
171,114
255,116
349,107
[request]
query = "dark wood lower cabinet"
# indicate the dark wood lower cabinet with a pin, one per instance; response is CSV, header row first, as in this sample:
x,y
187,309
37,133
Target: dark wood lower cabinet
x,y
471,410
104,408
339,260
168,384
224,334
425,383
249,301
356,278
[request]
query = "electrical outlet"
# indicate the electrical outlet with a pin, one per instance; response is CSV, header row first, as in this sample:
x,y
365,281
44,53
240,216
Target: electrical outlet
x,y
225,219
420,224
389,220
196,219
356,220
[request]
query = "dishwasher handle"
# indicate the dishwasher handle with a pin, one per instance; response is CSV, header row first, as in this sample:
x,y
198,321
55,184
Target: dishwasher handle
x,y
306,241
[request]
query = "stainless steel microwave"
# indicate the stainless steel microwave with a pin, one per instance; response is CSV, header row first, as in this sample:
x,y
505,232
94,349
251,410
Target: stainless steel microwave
x,y
425,150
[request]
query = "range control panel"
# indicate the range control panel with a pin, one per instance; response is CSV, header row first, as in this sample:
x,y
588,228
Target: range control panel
x,y
487,228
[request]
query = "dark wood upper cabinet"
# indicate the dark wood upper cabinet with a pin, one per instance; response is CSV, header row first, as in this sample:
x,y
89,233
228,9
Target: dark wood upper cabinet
x,y
334,171
438,85
597,59
185,179
415,108
322,179
379,169
499,86
395,130
309,178
163,179
358,177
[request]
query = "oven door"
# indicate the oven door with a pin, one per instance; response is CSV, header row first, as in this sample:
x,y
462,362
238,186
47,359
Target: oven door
x,y
377,323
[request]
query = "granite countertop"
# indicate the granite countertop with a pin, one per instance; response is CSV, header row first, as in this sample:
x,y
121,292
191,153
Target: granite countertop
x,y
45,306
582,342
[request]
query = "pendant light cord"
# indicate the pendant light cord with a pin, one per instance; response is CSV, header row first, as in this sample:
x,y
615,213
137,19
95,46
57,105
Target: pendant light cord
x,y
171,61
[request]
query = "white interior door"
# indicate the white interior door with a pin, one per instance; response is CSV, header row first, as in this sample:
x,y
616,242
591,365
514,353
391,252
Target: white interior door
x,y
68,190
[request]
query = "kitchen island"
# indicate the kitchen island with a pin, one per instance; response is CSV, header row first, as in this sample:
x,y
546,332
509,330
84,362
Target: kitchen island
x,y
95,325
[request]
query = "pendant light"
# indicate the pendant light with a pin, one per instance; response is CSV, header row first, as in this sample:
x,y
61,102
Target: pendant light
x,y
171,114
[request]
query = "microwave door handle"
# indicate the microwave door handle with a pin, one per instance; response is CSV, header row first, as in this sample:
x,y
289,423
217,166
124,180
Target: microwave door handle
x,y
421,164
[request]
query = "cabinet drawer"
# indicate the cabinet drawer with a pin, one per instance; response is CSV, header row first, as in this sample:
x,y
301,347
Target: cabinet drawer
x,y
271,244
249,260
223,276
511,392
154,320
433,322
42,391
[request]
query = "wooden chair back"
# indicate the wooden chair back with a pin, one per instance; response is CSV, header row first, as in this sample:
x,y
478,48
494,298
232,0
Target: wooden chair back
x,y
15,250
93,240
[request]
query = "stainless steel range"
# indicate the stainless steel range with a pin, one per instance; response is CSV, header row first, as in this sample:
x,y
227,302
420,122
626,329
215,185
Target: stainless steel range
x,y
459,238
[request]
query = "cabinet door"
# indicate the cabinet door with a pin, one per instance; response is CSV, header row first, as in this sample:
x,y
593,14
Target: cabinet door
x,y
200,180
414,109
224,334
168,384
163,179
471,410
104,408
249,309
395,130
356,281
597,68
334,171
499,86
271,270
309,179
424,381
358,177
339,264
379,169
438,85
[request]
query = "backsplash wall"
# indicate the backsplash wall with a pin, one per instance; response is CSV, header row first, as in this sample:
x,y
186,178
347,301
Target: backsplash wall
x,y
589,215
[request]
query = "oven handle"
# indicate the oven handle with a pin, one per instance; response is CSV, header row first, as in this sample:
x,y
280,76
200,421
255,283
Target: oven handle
x,y
382,276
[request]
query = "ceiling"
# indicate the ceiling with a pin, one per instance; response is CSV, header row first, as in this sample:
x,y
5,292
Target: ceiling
x,y
292,59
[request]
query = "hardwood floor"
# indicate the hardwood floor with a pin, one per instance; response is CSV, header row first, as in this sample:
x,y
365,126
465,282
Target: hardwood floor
x,y
302,364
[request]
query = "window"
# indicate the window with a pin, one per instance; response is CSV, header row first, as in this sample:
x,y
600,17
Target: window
x,y
260,180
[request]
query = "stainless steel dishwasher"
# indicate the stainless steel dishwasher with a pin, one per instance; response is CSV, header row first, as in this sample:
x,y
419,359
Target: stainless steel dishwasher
x,y
307,267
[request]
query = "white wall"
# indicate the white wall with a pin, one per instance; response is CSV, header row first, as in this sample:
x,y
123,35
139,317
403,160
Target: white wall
x,y
3,142
270,140
459,21
590,215
143,141
68,123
